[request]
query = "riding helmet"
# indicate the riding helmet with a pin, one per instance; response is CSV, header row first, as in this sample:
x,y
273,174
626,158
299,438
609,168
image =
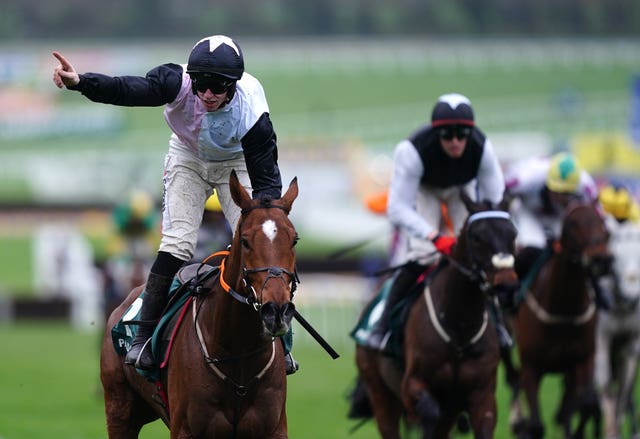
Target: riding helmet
x,y
217,58
452,109
617,201
564,173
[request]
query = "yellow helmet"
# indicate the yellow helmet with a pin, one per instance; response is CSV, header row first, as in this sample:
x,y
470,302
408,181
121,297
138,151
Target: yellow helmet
x,y
618,202
213,203
564,173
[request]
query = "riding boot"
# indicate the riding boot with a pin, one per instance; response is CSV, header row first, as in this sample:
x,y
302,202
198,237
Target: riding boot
x,y
403,281
153,303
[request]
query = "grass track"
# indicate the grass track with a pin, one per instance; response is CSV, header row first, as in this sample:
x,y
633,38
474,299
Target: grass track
x,y
49,387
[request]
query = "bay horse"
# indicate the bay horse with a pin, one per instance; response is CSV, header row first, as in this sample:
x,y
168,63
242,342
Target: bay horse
x,y
225,375
450,348
555,326
618,334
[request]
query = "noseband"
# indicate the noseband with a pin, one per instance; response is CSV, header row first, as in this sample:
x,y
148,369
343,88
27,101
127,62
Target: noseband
x,y
272,273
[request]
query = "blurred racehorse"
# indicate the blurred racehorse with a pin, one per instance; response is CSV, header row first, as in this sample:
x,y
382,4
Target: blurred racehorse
x,y
555,326
450,349
618,334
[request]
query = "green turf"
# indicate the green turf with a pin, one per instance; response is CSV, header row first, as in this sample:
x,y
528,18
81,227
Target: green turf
x,y
50,387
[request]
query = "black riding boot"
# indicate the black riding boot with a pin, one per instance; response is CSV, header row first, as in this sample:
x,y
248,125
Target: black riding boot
x,y
402,283
153,303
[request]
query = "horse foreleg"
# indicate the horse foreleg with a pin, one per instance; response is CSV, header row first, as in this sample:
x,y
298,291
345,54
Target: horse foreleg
x,y
567,404
603,378
483,409
511,372
386,407
627,383
530,384
421,406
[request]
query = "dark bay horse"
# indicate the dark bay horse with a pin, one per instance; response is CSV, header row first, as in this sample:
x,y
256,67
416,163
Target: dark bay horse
x,y
555,325
225,376
451,352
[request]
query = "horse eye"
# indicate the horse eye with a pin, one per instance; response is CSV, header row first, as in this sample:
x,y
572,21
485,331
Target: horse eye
x,y
295,241
244,242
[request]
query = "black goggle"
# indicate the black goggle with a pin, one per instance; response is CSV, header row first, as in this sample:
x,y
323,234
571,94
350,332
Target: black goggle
x,y
216,86
459,131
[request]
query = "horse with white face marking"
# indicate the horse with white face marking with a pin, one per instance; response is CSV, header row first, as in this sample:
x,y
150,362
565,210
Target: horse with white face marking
x,y
618,333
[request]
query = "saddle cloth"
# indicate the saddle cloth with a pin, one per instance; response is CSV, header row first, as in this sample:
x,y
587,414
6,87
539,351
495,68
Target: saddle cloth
x,y
189,281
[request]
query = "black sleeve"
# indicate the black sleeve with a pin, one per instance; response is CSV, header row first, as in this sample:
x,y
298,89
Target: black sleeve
x,y
160,86
261,155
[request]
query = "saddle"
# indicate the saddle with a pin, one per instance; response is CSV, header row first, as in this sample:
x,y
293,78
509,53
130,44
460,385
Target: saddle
x,y
191,280
397,315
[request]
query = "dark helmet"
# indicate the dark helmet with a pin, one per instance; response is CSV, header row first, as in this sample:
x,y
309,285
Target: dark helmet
x,y
452,109
216,55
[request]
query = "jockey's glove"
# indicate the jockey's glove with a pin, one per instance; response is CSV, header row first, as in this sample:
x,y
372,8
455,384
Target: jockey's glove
x,y
444,243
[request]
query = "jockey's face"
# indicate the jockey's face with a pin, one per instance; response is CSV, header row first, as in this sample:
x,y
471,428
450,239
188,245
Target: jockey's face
x,y
212,101
561,200
453,139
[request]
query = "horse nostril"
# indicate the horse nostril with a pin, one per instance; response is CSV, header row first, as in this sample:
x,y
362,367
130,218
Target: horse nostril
x,y
277,318
288,310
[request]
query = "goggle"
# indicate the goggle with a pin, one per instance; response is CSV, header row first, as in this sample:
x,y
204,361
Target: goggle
x,y
450,131
217,86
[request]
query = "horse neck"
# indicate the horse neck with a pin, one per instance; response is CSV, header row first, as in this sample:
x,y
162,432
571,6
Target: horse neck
x,y
567,284
457,295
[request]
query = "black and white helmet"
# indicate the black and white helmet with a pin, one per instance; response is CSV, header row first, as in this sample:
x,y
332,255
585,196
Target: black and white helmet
x,y
216,55
452,109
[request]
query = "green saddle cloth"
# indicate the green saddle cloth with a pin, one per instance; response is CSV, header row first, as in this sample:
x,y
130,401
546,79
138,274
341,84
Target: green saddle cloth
x,y
397,316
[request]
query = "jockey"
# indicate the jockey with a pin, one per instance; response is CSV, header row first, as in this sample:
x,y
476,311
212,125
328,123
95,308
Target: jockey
x,y
430,168
219,118
135,238
543,187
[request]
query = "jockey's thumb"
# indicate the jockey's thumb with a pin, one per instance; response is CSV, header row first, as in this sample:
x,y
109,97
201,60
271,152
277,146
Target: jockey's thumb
x,y
444,243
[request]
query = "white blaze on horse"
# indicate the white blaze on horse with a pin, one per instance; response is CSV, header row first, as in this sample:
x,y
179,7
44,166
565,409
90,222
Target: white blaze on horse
x,y
618,334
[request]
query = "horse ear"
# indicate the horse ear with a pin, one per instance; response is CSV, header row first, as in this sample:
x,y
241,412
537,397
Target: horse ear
x,y
507,198
468,202
238,192
291,194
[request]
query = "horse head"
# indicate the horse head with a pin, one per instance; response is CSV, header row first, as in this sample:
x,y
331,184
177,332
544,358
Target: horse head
x,y
264,251
584,239
487,245
625,248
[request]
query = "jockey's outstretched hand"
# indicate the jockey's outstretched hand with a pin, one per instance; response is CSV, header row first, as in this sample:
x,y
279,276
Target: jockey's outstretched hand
x,y
444,243
64,75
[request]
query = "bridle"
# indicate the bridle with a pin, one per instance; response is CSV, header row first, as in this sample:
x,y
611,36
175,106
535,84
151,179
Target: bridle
x,y
477,272
251,296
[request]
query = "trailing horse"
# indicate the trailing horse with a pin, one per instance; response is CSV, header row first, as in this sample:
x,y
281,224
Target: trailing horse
x,y
618,335
555,325
450,352
225,373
